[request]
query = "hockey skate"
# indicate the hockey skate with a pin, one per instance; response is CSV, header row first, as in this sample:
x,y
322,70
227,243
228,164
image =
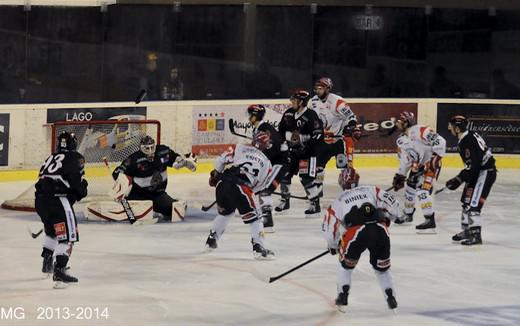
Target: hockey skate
x,y
428,226
462,235
61,278
408,218
261,253
342,299
474,237
268,222
283,205
390,299
47,265
314,208
211,242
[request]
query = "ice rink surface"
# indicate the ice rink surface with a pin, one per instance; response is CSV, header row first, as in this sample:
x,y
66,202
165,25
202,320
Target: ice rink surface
x,y
160,275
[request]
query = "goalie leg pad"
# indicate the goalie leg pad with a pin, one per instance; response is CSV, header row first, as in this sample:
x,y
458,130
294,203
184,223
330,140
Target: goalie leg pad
x,y
110,211
179,211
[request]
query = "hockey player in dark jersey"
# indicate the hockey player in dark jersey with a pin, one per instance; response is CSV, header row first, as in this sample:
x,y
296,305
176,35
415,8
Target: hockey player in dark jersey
x,y
479,174
147,170
256,113
302,129
60,184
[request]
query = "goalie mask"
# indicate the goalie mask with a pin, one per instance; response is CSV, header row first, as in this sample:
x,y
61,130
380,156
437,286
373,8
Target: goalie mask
x,y
348,179
148,147
66,142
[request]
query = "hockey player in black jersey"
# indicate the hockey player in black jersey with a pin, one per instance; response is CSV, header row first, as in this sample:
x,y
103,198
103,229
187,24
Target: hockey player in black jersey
x,y
147,170
303,130
60,184
479,174
256,113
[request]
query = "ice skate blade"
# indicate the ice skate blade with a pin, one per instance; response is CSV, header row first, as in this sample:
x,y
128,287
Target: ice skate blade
x,y
394,311
342,309
315,215
260,257
426,231
208,249
59,285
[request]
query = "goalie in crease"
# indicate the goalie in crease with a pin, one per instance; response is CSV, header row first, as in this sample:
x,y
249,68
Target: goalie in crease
x,y
143,176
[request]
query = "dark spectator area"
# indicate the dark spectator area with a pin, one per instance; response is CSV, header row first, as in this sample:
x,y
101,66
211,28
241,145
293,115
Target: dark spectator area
x,y
194,52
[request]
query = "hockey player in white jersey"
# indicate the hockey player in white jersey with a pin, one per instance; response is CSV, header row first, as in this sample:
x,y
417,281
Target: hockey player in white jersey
x,y
339,126
420,152
237,176
357,220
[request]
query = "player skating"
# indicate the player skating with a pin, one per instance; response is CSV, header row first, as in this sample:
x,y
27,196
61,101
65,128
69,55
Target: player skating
x,y
238,175
256,113
357,220
420,151
143,176
302,129
479,174
60,184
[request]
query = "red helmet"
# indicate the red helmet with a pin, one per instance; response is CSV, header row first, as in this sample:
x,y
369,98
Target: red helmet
x,y
257,110
348,178
409,117
324,82
301,95
261,140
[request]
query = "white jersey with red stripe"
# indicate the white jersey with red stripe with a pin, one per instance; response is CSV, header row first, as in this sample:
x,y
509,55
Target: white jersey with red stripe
x,y
252,163
334,112
417,146
333,226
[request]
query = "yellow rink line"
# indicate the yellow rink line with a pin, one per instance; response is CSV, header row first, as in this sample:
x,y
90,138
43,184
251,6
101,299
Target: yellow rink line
x,y
361,161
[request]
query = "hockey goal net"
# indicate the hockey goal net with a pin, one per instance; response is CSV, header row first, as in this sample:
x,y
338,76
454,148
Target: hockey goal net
x,y
98,141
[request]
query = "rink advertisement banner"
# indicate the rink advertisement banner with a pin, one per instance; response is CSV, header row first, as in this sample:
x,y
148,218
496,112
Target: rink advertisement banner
x,y
498,124
4,139
211,135
88,114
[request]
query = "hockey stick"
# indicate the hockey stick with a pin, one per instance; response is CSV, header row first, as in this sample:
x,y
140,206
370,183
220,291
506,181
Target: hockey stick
x,y
440,190
275,278
392,187
290,196
34,235
231,125
207,208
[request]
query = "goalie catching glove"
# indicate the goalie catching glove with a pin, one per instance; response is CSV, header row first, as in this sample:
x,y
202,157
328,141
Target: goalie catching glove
x,y
189,161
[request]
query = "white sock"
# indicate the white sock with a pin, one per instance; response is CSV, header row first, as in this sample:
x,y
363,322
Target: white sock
x,y
409,199
257,232
425,200
50,243
64,248
344,277
385,281
220,223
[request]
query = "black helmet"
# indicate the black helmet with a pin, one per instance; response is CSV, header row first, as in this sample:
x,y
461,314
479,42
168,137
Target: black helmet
x,y
302,95
66,142
460,121
257,110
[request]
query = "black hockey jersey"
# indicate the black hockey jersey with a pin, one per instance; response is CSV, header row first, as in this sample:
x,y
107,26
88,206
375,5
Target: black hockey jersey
x,y
306,123
148,176
273,152
476,156
62,175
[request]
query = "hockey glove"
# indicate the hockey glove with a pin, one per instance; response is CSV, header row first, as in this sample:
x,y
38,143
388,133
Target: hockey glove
x,y
398,182
453,183
214,177
435,162
333,251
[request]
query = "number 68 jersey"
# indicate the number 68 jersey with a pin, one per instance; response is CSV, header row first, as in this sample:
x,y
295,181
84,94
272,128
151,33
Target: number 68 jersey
x,y
252,163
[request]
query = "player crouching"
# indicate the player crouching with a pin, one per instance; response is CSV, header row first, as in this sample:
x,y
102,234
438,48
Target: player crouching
x,y
143,177
249,171
357,220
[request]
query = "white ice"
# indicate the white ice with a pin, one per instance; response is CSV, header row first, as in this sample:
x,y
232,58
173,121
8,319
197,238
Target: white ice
x,y
159,274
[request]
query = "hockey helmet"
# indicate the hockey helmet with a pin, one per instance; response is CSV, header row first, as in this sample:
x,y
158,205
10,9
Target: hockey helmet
x,y
348,178
301,95
459,121
67,142
409,117
147,146
325,82
256,110
261,140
